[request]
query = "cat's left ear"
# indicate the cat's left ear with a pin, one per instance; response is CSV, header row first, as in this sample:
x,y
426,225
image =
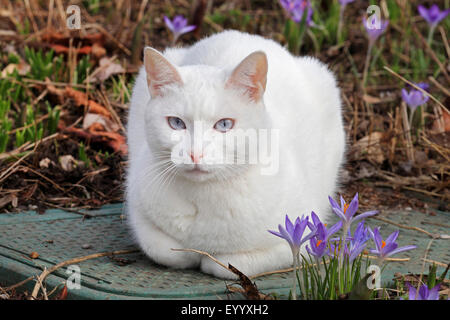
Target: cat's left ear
x,y
250,76
160,72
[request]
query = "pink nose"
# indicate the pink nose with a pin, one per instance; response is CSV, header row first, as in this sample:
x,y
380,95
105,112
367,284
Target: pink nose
x,y
195,157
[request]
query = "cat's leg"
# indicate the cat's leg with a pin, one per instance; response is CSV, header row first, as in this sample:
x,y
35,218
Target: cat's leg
x,y
250,263
157,245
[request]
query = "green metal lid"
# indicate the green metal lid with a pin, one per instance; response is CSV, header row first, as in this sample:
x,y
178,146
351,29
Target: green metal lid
x,y
61,235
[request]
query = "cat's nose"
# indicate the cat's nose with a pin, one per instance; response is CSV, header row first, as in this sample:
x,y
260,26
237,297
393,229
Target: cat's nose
x,y
196,157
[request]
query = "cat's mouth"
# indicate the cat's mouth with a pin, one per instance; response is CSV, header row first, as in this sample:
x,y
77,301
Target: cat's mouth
x,y
197,170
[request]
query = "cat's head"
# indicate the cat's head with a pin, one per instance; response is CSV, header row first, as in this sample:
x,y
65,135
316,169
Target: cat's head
x,y
197,115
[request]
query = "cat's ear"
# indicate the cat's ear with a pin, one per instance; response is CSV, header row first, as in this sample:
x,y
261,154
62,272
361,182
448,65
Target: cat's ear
x,y
160,72
250,76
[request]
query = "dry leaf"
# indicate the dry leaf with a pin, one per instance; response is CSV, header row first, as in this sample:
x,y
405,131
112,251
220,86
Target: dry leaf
x,y
44,163
63,294
93,118
114,140
6,200
63,49
98,51
67,162
14,201
106,69
22,67
81,99
377,100
443,124
250,291
369,147
34,255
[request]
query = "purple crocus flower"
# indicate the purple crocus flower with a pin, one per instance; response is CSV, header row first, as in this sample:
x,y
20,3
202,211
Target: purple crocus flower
x,y
389,247
424,293
296,9
327,232
318,243
375,28
415,98
354,244
345,2
293,233
178,26
433,15
347,211
361,234
357,242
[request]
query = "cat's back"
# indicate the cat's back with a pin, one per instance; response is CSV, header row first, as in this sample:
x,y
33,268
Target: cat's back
x,y
227,49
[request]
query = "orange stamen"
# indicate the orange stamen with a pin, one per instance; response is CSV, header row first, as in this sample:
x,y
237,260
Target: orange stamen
x,y
345,207
318,243
383,244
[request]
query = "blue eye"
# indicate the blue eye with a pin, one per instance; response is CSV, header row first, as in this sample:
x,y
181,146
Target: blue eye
x,y
176,123
223,125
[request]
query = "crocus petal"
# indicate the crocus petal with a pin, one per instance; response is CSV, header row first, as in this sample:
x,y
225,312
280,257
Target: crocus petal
x,y
340,214
276,233
356,251
377,238
401,249
334,229
289,225
285,235
389,247
423,85
321,232
364,215
411,291
342,201
187,29
309,236
392,237
423,292
405,96
337,209
298,233
353,207
169,24
315,218
433,294
424,13
333,203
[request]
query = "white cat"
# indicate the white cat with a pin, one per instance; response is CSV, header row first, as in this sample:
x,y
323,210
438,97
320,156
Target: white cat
x,y
229,81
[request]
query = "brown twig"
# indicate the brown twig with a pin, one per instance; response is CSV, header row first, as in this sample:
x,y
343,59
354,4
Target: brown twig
x,y
205,254
434,236
46,272
417,88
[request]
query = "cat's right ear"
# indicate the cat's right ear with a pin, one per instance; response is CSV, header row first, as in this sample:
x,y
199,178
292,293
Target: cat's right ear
x,y
160,72
250,75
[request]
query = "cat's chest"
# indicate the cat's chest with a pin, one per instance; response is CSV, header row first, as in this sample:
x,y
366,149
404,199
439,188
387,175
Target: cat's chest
x,y
203,211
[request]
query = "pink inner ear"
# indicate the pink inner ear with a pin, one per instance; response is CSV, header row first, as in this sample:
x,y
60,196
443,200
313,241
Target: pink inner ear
x,y
160,72
251,76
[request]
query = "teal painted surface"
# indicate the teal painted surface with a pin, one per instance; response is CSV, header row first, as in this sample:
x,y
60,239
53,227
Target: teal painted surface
x,y
59,236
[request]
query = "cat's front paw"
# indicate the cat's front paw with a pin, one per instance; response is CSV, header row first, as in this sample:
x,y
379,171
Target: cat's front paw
x,y
213,268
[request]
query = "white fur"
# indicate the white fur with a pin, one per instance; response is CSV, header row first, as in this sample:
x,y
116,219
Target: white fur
x,y
228,213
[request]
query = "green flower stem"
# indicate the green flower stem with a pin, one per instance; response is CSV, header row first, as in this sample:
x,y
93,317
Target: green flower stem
x,y
367,63
431,34
301,282
294,279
